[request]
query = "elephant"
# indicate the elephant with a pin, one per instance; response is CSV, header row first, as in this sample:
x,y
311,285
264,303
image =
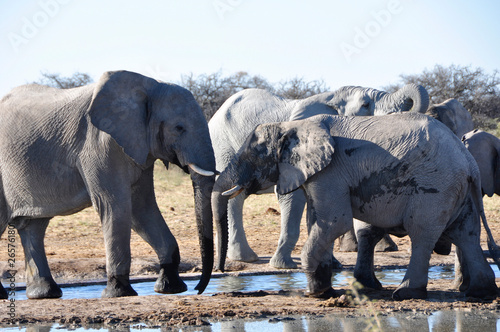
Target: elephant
x,y
454,115
243,111
485,148
64,150
459,121
390,171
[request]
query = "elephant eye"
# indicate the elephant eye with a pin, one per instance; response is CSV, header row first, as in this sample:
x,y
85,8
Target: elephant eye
x,y
180,128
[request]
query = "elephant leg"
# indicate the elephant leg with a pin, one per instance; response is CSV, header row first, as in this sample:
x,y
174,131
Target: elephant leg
x,y
368,236
117,226
478,279
238,247
348,242
424,229
386,244
39,281
3,291
148,222
414,285
462,276
317,252
292,207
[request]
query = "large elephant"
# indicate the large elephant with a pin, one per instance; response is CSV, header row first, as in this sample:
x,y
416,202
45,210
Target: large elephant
x,y
242,112
65,150
456,117
390,171
485,148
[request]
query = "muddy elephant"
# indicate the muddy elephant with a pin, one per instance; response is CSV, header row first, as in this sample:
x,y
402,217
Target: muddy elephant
x,y
390,171
64,150
459,121
242,112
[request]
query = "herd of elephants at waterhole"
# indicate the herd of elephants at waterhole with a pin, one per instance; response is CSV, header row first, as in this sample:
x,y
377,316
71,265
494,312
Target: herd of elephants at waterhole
x,y
363,163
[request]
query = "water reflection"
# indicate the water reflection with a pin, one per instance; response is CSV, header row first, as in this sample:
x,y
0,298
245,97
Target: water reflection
x,y
439,321
232,283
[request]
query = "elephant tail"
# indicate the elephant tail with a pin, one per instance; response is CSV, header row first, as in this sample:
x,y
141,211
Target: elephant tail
x,y
493,248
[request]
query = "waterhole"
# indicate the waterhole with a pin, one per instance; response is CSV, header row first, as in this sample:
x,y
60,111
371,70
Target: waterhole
x,y
244,283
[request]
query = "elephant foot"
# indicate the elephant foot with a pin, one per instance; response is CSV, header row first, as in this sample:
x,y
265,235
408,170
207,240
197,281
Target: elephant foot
x,y
327,294
242,253
279,261
386,244
3,293
372,283
168,281
483,292
405,293
319,282
118,286
43,288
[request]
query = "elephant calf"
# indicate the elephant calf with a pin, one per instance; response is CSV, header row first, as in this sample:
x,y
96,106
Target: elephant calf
x,y
393,172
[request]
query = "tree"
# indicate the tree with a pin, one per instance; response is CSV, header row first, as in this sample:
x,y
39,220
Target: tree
x,y
297,88
477,90
211,91
56,81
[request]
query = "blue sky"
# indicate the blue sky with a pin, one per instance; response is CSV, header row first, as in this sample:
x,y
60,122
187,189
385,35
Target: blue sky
x,y
367,43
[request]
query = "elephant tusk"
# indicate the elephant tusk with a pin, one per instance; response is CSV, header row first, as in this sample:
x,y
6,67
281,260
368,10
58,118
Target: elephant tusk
x,y
200,170
234,191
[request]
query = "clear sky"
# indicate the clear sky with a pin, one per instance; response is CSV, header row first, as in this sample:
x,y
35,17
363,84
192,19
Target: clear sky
x,y
357,42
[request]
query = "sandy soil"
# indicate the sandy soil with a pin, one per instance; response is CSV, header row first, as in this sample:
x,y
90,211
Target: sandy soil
x,y
75,250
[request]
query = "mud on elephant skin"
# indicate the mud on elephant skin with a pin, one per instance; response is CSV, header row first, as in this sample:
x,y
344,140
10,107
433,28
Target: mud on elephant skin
x,y
242,112
64,150
389,172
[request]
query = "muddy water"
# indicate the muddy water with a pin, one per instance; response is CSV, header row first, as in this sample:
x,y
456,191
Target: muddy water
x,y
405,321
230,283
437,321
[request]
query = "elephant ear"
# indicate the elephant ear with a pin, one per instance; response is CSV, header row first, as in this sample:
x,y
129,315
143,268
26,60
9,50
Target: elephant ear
x,y
305,148
496,178
119,107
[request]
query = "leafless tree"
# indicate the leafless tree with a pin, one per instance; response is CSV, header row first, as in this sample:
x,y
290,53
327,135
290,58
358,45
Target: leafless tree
x,y
477,90
57,81
297,88
212,90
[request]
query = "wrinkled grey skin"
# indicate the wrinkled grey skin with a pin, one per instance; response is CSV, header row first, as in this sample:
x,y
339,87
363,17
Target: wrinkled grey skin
x,y
390,171
452,113
64,150
485,148
242,112
459,121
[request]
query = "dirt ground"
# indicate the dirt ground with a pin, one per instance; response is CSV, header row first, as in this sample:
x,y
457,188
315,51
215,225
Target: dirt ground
x,y
75,250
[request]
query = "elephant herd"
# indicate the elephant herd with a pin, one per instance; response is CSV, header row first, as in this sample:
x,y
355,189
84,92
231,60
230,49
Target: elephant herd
x,y
358,167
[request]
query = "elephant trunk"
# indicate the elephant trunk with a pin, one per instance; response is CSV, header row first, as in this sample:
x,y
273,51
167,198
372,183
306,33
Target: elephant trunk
x,y
203,186
410,98
219,208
